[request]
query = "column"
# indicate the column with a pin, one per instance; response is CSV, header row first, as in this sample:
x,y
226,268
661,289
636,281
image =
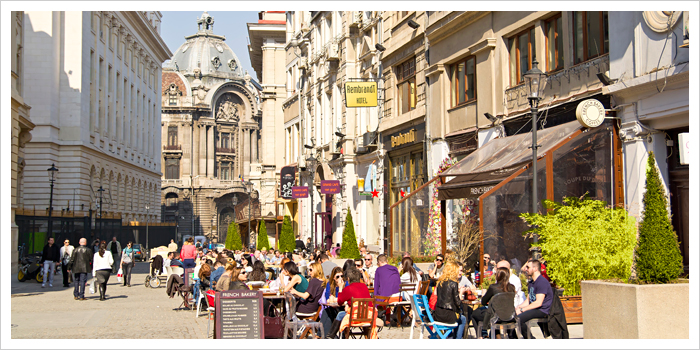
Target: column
x,y
202,150
210,152
254,146
246,152
195,148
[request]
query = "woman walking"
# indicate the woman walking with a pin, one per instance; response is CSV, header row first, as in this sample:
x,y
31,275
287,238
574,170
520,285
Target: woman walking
x,y
127,263
188,253
102,268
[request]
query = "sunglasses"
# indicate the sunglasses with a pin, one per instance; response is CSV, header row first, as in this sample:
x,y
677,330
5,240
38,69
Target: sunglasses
x,y
368,259
338,276
440,260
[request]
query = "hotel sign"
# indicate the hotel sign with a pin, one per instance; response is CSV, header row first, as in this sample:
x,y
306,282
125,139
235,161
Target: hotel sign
x,y
361,94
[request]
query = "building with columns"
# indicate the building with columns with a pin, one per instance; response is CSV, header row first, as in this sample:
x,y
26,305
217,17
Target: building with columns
x,y
211,123
92,81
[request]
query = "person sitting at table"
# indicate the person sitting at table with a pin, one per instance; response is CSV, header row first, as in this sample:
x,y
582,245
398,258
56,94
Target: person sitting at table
x,y
369,267
448,305
348,265
409,276
219,268
258,273
334,286
435,269
540,296
328,265
175,260
365,275
310,298
484,314
514,280
225,279
387,280
355,289
236,279
296,280
204,275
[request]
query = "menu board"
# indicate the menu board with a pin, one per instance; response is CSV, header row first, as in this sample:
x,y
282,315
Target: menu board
x,y
189,276
239,315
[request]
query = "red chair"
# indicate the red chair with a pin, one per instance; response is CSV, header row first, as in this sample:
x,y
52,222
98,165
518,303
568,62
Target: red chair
x,y
211,309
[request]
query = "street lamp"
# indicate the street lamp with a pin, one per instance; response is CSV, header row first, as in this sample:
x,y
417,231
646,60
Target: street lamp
x,y
52,178
147,208
311,164
177,223
234,201
535,80
251,195
101,190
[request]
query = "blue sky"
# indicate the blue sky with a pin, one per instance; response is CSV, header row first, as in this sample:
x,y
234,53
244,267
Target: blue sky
x,y
231,24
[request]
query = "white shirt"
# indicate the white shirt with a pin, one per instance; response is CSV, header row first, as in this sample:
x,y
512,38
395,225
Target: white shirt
x,y
519,295
371,270
406,279
68,250
102,263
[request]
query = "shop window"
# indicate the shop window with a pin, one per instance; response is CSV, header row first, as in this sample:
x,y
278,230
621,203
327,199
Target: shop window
x,y
463,81
555,44
406,85
172,169
521,49
590,35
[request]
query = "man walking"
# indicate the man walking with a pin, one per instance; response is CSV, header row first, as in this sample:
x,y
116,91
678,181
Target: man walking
x,y
65,252
539,299
115,248
80,265
50,259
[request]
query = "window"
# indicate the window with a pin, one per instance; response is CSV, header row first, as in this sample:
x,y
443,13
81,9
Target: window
x,y
521,49
225,137
172,168
406,85
172,99
463,81
555,44
172,135
225,171
403,14
590,35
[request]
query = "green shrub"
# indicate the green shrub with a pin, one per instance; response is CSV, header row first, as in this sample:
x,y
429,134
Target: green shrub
x,y
583,239
263,242
349,248
658,257
286,243
233,238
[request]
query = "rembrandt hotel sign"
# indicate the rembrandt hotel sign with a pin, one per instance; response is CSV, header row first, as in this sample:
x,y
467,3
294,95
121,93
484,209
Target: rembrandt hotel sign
x,y
361,94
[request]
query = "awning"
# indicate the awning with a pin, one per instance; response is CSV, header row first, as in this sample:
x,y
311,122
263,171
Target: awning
x,y
498,159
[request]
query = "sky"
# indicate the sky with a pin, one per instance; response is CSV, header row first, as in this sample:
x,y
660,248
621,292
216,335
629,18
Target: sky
x,y
231,24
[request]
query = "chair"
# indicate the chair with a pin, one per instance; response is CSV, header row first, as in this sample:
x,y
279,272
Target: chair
x,y
211,309
541,322
176,270
406,290
504,315
382,303
292,322
313,317
422,312
362,316
424,285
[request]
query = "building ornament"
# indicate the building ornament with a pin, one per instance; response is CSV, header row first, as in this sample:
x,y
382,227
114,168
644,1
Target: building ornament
x,y
631,131
227,110
216,62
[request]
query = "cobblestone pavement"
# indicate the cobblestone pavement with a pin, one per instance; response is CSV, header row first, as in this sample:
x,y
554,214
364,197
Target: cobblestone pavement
x,y
128,313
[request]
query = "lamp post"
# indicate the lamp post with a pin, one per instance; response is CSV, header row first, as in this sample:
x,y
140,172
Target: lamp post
x,y
311,164
101,190
234,201
52,178
535,80
251,195
177,224
147,208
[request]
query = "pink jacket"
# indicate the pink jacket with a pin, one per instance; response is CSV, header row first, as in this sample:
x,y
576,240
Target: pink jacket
x,y
188,252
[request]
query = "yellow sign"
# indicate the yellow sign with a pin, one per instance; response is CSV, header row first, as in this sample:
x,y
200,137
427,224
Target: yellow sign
x,y
404,138
361,94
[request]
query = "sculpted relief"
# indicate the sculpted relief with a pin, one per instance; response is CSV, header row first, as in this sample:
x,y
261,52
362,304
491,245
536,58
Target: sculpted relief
x,y
228,109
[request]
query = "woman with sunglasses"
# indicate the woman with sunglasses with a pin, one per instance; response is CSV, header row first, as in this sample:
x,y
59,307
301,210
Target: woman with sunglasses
x,y
310,298
127,263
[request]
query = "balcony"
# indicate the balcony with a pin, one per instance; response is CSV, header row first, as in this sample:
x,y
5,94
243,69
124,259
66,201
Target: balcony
x,y
172,148
225,150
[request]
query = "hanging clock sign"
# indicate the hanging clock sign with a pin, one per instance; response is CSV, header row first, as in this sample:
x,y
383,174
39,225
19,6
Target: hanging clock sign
x,y
590,113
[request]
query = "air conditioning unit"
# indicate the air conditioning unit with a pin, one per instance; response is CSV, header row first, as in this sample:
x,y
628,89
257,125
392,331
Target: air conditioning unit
x,y
366,142
304,63
334,51
356,18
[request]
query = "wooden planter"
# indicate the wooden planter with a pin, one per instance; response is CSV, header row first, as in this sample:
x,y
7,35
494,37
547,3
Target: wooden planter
x,y
572,309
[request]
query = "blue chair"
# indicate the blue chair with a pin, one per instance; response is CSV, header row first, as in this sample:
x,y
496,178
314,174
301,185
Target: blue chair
x,y
437,330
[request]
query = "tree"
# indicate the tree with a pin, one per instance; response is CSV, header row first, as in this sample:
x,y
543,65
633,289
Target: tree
x,y
263,242
467,242
349,249
658,257
233,238
286,243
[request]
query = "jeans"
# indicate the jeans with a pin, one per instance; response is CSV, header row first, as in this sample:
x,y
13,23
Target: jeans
x,y
188,263
64,272
528,315
459,332
115,267
126,270
340,316
49,270
79,289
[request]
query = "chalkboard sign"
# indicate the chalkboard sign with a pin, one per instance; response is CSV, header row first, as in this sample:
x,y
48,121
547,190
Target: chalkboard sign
x,y
189,276
239,315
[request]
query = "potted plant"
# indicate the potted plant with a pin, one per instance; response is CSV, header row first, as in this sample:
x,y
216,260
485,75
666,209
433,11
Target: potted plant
x,y
582,239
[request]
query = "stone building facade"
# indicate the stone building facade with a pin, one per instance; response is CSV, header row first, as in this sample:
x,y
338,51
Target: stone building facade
x,y
211,132
92,80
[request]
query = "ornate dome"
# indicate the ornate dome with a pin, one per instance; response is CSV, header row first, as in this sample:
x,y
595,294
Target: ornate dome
x,y
206,51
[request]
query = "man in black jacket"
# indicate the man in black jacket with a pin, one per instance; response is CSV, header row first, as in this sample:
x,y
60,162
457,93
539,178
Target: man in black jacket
x,y
299,244
80,263
50,259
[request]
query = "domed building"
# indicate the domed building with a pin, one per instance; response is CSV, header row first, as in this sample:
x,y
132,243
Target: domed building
x,y
211,123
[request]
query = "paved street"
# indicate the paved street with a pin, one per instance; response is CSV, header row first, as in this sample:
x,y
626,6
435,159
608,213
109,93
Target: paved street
x,y
137,313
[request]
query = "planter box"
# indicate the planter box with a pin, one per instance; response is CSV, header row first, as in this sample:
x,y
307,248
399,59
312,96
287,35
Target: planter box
x,y
572,309
630,311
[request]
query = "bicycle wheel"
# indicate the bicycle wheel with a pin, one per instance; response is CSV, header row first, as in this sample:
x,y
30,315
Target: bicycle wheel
x,y
155,282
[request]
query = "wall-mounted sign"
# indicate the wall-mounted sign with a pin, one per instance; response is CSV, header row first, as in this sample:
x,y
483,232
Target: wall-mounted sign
x,y
590,113
684,147
287,181
330,186
239,315
300,192
404,138
361,94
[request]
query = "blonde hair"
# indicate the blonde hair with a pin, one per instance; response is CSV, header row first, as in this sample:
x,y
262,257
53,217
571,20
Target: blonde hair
x,y
318,273
451,272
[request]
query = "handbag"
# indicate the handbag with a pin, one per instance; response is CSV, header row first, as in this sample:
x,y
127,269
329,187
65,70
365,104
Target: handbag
x,y
274,325
120,275
432,301
128,258
92,283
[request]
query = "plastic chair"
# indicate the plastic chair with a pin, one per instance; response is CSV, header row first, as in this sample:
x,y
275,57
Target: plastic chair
x,y
541,322
313,317
422,312
211,309
177,270
504,316
292,322
362,316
